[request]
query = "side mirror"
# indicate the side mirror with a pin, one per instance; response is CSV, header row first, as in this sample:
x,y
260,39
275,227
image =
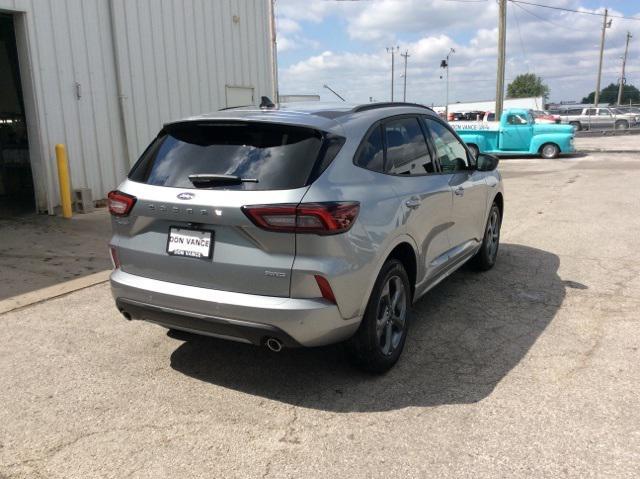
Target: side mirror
x,y
487,162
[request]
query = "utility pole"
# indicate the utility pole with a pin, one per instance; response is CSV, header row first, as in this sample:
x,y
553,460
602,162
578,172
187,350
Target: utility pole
x,y
274,50
624,63
502,37
405,55
445,64
605,25
393,51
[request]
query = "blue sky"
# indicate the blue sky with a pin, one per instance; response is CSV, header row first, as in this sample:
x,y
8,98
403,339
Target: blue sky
x,y
342,43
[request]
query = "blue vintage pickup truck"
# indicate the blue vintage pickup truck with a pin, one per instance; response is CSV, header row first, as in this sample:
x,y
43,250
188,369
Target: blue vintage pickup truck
x,y
516,134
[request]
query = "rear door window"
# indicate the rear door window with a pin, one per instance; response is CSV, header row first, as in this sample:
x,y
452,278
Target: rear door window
x,y
407,152
277,156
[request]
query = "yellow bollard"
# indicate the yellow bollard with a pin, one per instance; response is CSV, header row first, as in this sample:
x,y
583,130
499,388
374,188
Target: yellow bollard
x,y
63,178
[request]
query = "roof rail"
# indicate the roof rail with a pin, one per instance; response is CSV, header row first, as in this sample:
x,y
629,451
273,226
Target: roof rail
x,y
386,104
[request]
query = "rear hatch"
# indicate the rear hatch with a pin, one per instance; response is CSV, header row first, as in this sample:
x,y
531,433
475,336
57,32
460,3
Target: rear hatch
x,y
187,225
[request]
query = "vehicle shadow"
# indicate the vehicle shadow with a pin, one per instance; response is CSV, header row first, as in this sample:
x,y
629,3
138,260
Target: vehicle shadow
x,y
564,156
467,334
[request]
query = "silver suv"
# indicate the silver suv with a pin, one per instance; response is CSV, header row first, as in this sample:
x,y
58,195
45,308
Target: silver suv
x,y
599,118
301,225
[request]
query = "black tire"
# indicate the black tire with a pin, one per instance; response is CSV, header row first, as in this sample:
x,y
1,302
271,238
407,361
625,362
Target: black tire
x,y
486,256
622,125
549,151
379,341
475,150
576,124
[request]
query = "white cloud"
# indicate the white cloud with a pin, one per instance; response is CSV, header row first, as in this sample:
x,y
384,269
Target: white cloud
x,y
295,42
285,44
312,11
561,47
382,20
287,25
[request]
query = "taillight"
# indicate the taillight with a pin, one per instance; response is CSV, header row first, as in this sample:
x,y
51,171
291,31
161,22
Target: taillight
x,y
313,218
120,204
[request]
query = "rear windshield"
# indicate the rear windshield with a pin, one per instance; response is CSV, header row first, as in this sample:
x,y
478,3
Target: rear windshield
x,y
277,156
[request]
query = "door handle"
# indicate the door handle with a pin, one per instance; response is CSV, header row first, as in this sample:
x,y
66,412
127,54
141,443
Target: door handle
x,y
459,191
413,203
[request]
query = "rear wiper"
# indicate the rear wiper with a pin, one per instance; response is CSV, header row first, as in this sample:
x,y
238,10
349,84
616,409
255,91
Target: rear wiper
x,y
208,179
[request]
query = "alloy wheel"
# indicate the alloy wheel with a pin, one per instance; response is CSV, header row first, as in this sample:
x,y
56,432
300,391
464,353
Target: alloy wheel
x,y
492,235
391,315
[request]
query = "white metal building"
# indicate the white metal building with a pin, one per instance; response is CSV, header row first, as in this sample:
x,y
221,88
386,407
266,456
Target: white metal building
x,y
532,103
102,76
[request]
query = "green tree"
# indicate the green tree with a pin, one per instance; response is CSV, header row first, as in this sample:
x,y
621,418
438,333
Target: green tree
x,y
610,94
527,85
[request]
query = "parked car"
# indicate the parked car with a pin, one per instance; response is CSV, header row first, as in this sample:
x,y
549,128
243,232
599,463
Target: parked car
x,y
599,118
630,113
545,117
456,116
466,115
630,109
486,116
517,133
301,225
475,115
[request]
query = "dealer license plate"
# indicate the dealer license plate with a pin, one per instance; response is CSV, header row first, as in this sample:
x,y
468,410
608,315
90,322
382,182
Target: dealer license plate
x,y
191,243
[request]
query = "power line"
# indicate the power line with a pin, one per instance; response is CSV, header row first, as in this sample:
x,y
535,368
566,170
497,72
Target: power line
x,y
574,11
557,25
524,53
545,77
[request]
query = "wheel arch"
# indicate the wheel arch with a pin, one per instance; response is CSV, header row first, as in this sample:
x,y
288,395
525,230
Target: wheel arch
x,y
404,249
405,253
561,140
499,200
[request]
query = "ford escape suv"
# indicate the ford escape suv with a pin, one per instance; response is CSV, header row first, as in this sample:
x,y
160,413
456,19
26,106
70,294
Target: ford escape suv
x,y
301,225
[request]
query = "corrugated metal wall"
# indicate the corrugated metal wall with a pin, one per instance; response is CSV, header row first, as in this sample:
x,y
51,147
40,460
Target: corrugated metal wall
x,y
106,96
176,57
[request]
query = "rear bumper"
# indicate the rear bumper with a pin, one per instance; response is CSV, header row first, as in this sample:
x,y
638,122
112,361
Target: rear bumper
x,y
237,316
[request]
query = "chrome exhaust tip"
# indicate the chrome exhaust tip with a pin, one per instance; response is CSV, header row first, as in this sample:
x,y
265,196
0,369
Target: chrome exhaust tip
x,y
274,344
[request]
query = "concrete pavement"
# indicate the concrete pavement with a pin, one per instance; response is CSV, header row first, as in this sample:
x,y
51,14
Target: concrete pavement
x,y
39,251
529,370
619,143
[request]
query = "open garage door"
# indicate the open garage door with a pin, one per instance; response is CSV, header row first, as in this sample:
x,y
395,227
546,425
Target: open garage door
x,y
16,182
